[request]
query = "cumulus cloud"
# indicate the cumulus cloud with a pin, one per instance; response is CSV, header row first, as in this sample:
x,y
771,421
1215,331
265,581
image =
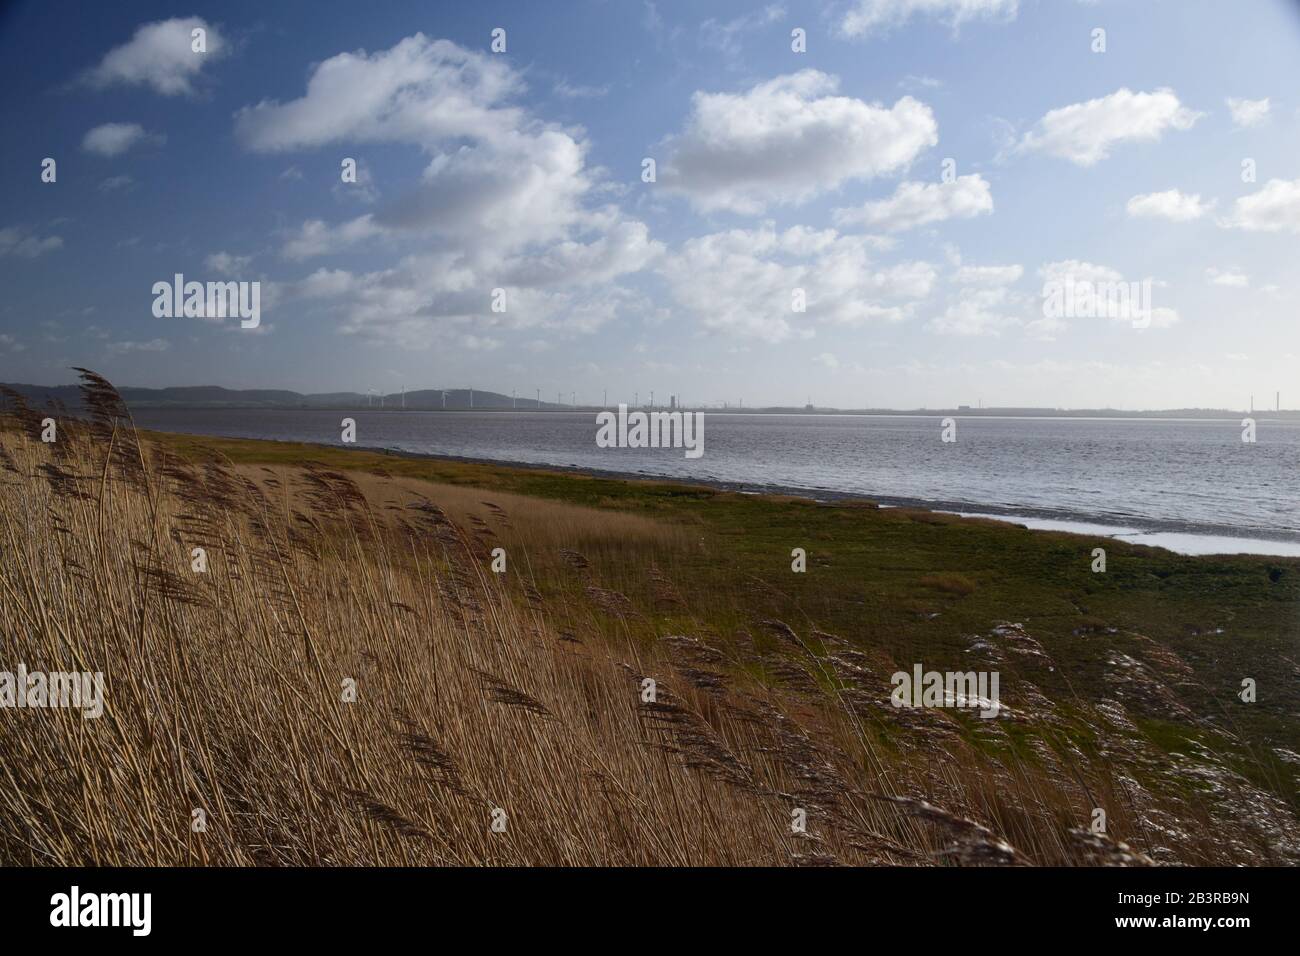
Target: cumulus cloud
x,y
113,139
918,204
495,174
827,360
1275,207
505,200
576,91
980,312
787,140
161,56
1248,113
725,38
420,91
1171,204
745,281
1085,133
1233,278
18,241
989,275
315,237
226,264
429,298
870,17
362,190
1091,291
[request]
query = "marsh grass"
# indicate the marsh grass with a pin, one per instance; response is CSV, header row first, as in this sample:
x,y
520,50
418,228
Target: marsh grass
x,y
522,693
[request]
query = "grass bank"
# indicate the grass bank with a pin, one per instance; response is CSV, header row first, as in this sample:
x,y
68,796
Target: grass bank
x,y
506,717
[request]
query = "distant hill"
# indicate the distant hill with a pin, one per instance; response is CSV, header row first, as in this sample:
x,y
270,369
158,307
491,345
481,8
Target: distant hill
x,y
216,397
213,396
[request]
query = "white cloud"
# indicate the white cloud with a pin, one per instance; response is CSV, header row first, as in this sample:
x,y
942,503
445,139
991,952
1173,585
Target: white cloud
x,y
1100,292
726,37
153,345
786,140
419,91
315,237
827,360
363,190
566,287
1275,207
1233,278
1171,204
505,201
980,312
113,139
744,281
919,204
160,55
572,91
479,343
113,183
1077,271
1085,133
226,264
1163,317
1248,112
495,174
16,241
989,275
869,17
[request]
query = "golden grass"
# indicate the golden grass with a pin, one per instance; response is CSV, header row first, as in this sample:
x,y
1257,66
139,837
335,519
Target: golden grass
x,y
480,697
224,690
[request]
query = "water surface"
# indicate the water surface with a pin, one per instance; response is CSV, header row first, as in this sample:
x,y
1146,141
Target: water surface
x,y
1190,485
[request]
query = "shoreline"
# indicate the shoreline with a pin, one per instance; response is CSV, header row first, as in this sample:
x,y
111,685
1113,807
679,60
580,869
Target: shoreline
x,y
1170,538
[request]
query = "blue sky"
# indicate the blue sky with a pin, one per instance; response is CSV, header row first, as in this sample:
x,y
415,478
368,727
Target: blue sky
x,y
776,171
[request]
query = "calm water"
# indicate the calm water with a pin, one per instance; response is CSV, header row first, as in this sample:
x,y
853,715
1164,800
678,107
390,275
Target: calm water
x,y
1185,484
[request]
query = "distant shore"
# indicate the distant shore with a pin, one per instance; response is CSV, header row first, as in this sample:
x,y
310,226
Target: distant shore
x,y
478,400
1137,531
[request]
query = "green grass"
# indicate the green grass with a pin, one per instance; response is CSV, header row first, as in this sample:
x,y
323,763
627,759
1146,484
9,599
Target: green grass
x,y
916,585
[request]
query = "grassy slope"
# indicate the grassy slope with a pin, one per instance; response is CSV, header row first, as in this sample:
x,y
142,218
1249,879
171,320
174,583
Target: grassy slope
x,y
916,585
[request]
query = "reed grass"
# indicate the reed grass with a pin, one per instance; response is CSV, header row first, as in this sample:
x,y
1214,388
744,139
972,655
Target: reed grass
x,y
484,698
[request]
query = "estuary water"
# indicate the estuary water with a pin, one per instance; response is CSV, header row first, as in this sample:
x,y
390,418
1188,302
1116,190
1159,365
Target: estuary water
x,y
1191,485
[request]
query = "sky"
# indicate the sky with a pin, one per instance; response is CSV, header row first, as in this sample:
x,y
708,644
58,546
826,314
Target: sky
x,y
862,203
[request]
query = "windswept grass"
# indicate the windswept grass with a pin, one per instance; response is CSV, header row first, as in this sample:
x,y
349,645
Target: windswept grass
x,y
522,697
